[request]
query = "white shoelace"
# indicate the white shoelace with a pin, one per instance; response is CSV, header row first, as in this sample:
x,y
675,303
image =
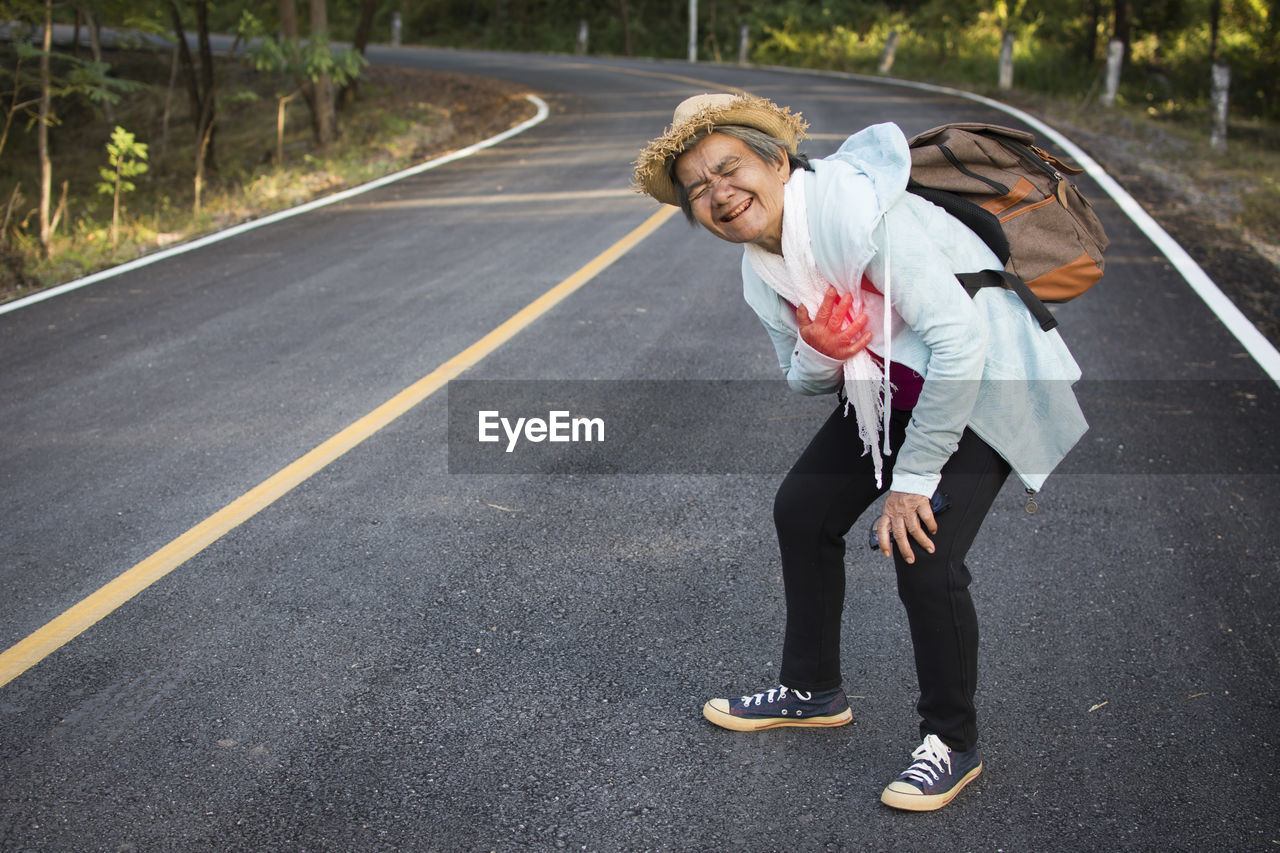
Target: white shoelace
x,y
931,757
781,692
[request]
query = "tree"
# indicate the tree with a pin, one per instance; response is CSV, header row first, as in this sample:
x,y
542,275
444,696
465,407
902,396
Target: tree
x,y
1215,25
313,65
359,44
18,100
42,130
126,159
322,79
201,89
1094,13
93,18
1120,28
624,14
70,77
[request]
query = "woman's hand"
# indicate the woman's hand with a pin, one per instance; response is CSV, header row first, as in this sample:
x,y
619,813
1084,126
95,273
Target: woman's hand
x,y
904,514
831,332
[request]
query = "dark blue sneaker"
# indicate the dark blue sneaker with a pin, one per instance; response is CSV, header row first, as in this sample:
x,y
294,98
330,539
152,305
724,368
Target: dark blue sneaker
x,y
780,706
934,778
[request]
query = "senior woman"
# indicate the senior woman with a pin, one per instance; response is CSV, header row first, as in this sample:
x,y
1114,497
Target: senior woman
x,y
939,395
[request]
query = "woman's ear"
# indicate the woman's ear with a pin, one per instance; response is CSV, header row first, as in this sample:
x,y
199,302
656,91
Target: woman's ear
x,y
783,167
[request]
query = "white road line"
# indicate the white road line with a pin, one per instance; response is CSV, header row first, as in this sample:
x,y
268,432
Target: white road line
x,y
539,117
497,199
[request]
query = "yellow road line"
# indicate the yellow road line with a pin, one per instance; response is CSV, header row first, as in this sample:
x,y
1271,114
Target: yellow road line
x,y
43,642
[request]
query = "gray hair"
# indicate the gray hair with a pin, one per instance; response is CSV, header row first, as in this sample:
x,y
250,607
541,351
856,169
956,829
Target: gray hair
x,y
768,148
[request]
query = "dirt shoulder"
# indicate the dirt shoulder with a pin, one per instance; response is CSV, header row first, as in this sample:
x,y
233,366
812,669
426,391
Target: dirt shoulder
x,y
478,107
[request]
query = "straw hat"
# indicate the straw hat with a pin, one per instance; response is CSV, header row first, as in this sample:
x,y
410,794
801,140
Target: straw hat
x,y
703,112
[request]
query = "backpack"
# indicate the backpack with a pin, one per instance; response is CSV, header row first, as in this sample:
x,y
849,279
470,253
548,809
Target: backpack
x,y
1018,199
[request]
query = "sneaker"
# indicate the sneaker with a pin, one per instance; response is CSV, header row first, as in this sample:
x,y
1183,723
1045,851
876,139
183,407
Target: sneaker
x,y
934,778
780,706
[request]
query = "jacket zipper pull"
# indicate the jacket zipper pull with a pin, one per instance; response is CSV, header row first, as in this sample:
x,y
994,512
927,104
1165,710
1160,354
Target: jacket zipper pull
x,y
1032,506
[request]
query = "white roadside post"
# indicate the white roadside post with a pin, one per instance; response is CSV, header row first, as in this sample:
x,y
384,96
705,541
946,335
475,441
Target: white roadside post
x,y
743,44
890,49
693,30
1221,100
582,37
1115,55
1006,62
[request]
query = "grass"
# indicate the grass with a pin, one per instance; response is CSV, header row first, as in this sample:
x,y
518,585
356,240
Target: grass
x,y
399,117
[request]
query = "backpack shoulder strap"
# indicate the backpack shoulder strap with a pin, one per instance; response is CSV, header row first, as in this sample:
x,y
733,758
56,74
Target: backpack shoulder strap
x,y
981,222
975,281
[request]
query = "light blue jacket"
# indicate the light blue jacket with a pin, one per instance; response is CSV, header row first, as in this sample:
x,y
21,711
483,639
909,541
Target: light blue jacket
x,y
987,364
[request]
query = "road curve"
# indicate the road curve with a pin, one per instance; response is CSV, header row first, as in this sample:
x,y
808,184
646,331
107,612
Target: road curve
x,y
401,652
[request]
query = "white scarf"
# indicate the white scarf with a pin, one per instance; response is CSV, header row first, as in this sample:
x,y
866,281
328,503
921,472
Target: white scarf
x,y
795,277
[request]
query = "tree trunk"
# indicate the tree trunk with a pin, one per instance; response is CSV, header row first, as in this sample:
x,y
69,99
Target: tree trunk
x,y
711,39
326,129
361,42
1272,51
288,19
115,209
209,115
200,90
199,83
1120,27
95,47
281,103
1215,19
1094,18
42,134
289,31
8,213
168,104
188,64
14,104
626,26
365,27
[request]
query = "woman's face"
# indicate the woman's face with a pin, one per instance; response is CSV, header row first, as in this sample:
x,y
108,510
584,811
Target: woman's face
x,y
734,194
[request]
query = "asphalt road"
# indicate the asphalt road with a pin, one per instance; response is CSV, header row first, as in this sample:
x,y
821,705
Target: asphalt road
x,y
404,654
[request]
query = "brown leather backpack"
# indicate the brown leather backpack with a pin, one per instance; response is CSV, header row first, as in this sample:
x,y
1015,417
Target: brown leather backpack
x,y
1019,200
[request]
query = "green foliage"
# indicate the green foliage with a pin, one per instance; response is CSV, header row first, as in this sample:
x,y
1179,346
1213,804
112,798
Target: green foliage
x,y
126,158
948,42
1059,48
73,77
309,58
126,155
1173,65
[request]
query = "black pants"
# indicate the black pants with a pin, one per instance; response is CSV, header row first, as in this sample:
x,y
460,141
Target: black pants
x,y
829,487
